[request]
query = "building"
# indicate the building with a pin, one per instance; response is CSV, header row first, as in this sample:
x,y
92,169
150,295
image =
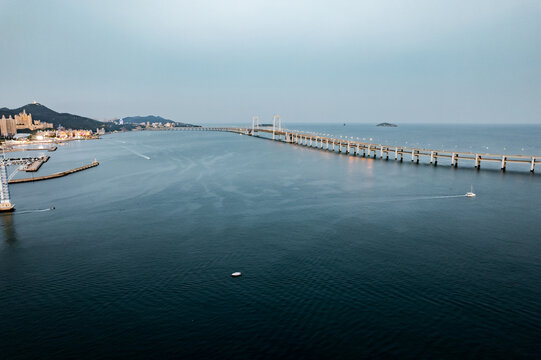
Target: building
x,y
8,127
24,121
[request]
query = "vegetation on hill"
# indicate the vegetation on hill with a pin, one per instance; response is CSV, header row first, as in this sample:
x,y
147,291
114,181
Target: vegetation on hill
x,y
66,120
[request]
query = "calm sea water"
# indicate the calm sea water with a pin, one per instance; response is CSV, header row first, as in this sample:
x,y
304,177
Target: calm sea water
x,y
342,257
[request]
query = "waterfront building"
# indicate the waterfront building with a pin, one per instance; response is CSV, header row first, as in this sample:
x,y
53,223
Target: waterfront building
x,y
8,127
64,134
25,121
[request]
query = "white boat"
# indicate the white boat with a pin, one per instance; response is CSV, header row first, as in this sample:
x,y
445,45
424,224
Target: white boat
x,y
236,274
470,193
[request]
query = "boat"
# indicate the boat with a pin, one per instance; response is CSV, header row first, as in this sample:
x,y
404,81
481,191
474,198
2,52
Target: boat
x,y
236,274
470,193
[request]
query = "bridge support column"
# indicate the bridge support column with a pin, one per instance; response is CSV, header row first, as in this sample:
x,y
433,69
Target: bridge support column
x,y
387,154
532,165
368,151
401,155
5,202
358,149
431,157
381,151
477,161
435,159
347,148
454,160
504,162
396,153
412,155
327,144
310,141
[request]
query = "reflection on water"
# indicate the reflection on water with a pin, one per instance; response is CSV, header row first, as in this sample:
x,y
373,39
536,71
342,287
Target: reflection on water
x,y
8,228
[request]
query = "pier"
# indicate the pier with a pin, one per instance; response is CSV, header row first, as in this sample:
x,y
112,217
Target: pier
x,y
19,148
381,151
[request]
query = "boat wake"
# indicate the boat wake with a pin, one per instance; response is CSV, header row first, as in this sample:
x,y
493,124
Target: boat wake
x,y
427,198
136,153
34,210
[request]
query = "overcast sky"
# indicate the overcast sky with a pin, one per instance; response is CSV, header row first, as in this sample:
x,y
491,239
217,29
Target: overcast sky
x,y
212,61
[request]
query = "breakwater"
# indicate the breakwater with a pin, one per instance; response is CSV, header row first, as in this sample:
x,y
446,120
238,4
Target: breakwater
x,y
55,175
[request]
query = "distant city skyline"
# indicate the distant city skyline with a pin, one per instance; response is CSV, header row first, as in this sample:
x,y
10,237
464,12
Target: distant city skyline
x,y
309,61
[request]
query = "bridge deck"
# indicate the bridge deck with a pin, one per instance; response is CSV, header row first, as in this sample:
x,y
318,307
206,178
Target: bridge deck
x,y
355,147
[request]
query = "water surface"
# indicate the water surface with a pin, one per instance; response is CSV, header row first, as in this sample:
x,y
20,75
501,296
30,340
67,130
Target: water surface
x,y
342,257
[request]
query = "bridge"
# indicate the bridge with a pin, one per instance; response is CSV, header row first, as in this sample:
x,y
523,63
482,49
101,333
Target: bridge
x,y
366,149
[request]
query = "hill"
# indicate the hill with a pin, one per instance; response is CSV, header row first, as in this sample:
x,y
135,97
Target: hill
x,y
386,124
68,121
151,119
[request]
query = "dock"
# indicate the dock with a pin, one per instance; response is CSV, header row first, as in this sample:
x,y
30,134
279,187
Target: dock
x,y
34,166
55,175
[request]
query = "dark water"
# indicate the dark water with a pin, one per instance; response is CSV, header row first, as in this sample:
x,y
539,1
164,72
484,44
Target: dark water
x,y
341,257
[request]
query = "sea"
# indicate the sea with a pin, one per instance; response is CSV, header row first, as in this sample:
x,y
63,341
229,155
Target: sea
x,y
342,257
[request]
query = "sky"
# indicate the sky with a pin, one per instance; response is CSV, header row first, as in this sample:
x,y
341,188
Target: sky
x,y
221,61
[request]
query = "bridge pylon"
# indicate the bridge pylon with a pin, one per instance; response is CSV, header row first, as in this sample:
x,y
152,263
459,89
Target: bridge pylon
x,y
276,121
255,124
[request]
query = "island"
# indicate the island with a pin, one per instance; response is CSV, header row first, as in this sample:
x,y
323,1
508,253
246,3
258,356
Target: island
x,y
385,124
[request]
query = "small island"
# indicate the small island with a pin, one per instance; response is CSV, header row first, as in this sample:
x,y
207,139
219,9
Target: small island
x,y
385,124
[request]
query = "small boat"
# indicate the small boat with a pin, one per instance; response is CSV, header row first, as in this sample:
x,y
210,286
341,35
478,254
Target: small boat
x,y
470,193
236,274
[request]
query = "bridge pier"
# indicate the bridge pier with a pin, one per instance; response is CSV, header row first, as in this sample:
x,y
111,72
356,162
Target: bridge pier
x,y
412,155
504,162
477,161
532,165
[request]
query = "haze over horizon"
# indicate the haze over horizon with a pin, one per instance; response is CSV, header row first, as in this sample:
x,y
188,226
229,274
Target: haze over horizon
x,y
309,61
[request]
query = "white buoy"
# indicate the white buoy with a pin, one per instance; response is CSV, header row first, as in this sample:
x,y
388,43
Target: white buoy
x,y
236,274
